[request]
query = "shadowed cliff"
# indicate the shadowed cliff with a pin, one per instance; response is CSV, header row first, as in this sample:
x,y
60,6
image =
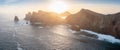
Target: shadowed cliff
x,y
87,19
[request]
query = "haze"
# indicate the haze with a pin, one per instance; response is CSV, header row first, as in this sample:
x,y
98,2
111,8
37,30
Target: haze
x,y
20,7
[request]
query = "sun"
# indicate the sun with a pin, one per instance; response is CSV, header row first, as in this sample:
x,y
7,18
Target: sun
x,y
58,6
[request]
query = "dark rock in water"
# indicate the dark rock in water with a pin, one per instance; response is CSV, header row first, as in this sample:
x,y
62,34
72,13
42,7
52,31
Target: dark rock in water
x,y
16,19
90,20
26,22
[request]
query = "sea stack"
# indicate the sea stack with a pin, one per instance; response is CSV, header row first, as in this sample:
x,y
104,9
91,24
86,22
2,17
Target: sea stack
x,y
16,19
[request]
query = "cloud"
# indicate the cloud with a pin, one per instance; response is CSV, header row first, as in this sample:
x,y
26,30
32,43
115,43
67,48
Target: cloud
x,y
22,8
97,1
16,1
34,5
7,2
10,1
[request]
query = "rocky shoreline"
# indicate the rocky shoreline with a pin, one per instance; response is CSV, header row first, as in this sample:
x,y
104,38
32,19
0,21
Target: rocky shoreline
x,y
84,19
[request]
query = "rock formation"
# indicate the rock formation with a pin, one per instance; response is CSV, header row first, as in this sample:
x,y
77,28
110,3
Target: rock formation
x,y
86,19
46,18
16,19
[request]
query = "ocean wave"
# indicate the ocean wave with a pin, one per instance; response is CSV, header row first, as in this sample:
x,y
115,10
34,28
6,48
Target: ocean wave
x,y
103,37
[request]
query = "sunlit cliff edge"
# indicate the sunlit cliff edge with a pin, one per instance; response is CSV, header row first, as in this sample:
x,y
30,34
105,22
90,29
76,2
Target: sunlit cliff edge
x,y
84,19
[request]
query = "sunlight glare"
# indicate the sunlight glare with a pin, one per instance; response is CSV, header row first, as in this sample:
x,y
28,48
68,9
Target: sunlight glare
x,y
63,17
58,6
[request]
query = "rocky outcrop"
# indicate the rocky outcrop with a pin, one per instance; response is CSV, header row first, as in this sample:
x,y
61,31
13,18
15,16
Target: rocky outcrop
x,y
90,20
66,13
16,19
46,18
84,19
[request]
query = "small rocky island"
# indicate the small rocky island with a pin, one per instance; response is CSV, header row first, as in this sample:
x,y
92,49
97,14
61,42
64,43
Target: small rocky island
x,y
16,19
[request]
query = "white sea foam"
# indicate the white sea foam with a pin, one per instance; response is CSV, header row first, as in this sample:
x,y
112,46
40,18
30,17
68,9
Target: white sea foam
x,y
18,46
41,27
104,37
72,31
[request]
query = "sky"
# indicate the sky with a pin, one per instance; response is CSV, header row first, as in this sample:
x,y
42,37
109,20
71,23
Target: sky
x,y
16,7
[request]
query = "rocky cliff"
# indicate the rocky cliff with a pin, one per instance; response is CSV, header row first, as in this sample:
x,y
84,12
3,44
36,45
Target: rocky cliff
x,y
90,20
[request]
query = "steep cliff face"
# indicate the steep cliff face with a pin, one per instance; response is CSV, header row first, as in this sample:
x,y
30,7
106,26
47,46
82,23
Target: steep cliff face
x,y
86,19
116,24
